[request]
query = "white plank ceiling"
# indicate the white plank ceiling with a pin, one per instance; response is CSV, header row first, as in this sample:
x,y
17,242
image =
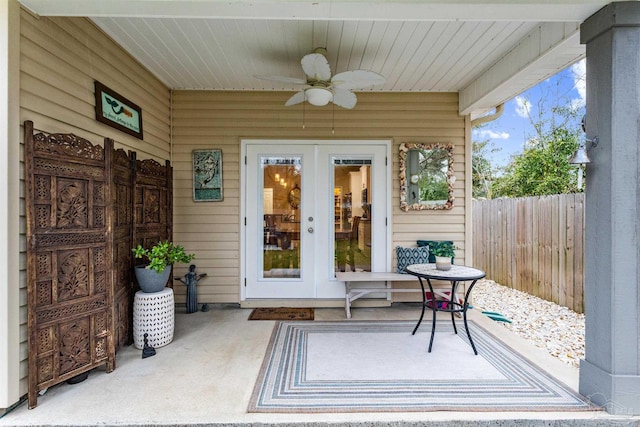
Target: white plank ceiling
x,y
227,53
487,51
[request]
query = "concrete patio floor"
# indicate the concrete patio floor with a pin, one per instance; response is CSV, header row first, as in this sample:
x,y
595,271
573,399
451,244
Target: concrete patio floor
x,y
207,374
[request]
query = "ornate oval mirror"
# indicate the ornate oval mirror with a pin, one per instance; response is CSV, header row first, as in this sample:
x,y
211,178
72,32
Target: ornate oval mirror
x,y
426,176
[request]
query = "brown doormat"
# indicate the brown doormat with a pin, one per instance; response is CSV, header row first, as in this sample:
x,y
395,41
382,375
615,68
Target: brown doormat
x,y
281,313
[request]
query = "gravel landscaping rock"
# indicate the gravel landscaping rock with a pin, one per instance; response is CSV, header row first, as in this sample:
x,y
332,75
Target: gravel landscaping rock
x,y
550,326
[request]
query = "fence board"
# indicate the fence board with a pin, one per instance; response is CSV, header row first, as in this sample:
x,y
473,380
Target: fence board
x,y
561,250
545,256
533,244
513,242
578,285
570,253
535,248
554,283
527,267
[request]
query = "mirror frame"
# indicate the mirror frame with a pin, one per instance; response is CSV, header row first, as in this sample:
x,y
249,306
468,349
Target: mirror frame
x,y
404,149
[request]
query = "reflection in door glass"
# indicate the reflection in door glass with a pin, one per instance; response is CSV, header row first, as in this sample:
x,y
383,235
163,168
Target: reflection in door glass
x,y
352,214
282,192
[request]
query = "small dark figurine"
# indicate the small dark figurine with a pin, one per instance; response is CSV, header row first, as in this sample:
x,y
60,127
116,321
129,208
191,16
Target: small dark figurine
x,y
147,351
191,280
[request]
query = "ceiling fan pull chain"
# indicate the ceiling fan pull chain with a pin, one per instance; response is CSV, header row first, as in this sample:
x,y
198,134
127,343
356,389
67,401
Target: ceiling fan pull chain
x,y
303,110
333,118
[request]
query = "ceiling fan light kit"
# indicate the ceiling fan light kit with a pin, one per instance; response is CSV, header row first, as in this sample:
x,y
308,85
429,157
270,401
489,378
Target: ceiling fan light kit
x,y
318,96
322,87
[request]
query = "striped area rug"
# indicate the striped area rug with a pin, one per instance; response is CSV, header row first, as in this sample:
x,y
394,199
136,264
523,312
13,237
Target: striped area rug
x,y
359,366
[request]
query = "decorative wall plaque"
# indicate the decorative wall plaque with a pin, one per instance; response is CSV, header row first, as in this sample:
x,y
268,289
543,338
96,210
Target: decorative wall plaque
x,y
117,111
207,175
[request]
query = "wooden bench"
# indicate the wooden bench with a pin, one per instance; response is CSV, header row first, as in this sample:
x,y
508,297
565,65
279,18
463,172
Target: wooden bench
x,y
350,277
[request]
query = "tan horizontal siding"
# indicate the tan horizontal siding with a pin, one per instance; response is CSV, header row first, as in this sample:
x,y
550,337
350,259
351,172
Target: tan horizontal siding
x,y
217,119
59,60
191,126
184,238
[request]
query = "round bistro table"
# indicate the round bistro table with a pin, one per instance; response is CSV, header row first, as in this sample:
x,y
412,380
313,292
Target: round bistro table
x,y
457,274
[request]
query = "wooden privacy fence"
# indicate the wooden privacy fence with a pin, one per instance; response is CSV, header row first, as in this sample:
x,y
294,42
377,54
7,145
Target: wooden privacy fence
x,y
533,244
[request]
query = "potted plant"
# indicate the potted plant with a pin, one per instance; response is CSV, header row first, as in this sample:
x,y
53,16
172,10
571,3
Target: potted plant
x,y
444,252
153,277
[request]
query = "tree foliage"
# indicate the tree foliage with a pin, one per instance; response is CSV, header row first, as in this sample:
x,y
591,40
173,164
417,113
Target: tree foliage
x,y
483,172
433,165
543,168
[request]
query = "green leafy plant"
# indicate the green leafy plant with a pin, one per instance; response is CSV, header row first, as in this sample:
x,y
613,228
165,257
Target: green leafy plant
x,y
163,254
444,249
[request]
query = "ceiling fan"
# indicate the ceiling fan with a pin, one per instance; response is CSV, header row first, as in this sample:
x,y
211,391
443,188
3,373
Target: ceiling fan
x,y
324,88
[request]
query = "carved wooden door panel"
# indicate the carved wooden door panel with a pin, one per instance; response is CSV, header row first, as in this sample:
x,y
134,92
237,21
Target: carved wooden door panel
x,y
122,208
153,204
69,258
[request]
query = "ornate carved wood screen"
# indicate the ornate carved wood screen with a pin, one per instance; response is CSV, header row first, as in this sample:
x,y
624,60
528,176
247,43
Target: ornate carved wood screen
x,y
122,207
153,203
87,207
69,258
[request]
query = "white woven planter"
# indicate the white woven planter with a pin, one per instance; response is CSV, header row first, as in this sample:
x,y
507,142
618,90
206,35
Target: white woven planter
x,y
443,263
154,314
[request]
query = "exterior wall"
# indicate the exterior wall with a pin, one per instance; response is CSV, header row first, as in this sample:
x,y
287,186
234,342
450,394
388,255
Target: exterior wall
x,y
59,60
208,119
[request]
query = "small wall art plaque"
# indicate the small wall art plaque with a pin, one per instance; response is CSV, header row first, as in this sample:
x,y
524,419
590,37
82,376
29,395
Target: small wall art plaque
x,y
117,111
207,175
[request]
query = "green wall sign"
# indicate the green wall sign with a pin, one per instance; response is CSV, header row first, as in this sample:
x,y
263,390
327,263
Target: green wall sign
x,y
117,111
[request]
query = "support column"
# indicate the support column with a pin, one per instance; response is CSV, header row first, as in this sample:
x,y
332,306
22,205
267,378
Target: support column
x,y
9,207
610,373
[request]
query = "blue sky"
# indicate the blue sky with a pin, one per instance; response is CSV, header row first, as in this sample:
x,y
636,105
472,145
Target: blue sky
x,y
513,128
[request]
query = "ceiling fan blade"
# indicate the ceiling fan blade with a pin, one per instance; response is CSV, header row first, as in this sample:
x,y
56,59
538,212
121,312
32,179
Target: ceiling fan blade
x,y
344,98
297,98
282,79
357,79
316,66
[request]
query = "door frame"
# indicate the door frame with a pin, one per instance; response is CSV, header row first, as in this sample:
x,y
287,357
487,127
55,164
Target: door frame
x,y
242,220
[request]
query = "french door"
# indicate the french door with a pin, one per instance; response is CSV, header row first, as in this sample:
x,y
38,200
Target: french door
x,y
312,208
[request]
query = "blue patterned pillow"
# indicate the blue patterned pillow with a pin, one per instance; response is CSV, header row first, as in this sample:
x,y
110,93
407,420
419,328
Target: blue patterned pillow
x,y
408,256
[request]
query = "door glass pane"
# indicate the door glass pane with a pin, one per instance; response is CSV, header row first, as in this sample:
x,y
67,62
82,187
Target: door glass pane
x,y
352,214
282,190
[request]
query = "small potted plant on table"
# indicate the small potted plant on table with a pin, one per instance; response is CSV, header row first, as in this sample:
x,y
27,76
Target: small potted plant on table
x,y
153,277
444,252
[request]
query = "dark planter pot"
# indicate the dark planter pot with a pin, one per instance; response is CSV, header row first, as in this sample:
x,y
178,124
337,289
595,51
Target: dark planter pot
x,y
78,378
150,281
